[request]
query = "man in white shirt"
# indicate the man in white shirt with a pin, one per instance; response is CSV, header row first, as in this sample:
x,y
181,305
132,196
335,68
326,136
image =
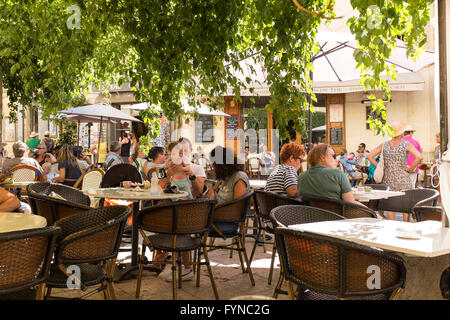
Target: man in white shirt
x,y
19,149
113,156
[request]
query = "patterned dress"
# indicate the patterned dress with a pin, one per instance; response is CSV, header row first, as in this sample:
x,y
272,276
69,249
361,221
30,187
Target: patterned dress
x,y
395,159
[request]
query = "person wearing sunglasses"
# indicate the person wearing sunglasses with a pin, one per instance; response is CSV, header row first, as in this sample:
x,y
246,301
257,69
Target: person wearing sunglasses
x,y
284,177
323,179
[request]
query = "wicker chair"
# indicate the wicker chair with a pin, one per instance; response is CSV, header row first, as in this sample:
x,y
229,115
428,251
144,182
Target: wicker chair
x,y
346,209
25,172
91,179
174,224
285,216
254,168
90,243
423,213
121,172
234,211
265,201
326,268
24,262
411,198
373,204
55,201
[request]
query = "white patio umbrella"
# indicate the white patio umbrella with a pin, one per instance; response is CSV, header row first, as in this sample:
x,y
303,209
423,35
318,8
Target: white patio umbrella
x,y
334,68
101,110
187,108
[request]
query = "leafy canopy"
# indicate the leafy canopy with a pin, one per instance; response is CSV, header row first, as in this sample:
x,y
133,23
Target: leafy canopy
x,y
52,50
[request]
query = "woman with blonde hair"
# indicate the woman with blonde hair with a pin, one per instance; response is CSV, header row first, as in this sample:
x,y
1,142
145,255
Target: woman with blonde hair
x,y
69,170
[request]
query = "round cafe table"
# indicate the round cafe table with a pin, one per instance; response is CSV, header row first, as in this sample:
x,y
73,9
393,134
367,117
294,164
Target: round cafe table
x,y
13,221
131,194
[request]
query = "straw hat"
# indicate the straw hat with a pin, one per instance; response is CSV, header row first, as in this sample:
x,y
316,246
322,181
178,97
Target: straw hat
x,y
46,134
34,135
409,128
398,128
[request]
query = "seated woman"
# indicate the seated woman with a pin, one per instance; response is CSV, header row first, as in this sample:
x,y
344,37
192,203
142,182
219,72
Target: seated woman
x,y
284,177
69,170
323,179
232,181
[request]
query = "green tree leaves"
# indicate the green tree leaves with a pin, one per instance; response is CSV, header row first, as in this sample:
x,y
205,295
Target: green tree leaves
x,y
168,49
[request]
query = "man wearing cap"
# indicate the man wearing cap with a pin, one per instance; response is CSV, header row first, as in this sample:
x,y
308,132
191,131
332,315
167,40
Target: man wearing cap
x,y
408,137
33,142
19,149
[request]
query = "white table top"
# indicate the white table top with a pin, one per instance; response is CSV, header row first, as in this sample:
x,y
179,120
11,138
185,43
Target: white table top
x,y
434,240
16,184
375,194
13,221
257,184
125,194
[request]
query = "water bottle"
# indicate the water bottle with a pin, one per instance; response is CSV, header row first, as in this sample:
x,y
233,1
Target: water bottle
x,y
154,187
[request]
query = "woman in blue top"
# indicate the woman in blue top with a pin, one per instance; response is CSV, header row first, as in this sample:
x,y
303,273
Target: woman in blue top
x,y
69,170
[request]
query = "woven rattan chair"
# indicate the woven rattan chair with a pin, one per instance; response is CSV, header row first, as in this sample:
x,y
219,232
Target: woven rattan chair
x,y
121,172
344,208
25,257
179,226
285,216
327,268
91,179
411,198
24,172
234,211
254,168
68,201
423,213
373,204
265,201
89,242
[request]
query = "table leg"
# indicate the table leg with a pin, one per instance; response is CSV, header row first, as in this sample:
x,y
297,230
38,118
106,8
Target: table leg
x,y
126,269
423,276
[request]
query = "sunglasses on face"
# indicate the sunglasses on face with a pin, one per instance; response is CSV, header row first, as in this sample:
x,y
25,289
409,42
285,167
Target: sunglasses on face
x,y
334,156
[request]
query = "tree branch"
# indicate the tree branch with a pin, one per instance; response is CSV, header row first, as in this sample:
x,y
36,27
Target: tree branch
x,y
315,14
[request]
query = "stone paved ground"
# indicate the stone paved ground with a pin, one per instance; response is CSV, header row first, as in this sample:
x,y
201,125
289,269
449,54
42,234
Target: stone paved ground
x,y
230,280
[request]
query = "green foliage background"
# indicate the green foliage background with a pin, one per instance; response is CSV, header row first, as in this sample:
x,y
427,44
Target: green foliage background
x,y
167,49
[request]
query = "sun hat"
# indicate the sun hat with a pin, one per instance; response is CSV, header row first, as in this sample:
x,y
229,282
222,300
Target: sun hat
x,y
46,134
398,128
34,135
409,128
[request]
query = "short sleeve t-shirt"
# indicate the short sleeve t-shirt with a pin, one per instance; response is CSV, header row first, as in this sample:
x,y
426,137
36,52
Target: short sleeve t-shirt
x,y
71,172
320,181
281,178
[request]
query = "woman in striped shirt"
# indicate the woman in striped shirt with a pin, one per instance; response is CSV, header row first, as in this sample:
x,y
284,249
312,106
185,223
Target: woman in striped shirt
x,y
284,177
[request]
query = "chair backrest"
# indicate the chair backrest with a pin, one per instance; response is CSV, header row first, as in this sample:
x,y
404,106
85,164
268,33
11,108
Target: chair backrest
x,y
285,216
24,172
91,179
329,266
25,258
55,201
233,211
346,209
266,201
254,163
121,172
411,198
423,213
91,236
178,217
